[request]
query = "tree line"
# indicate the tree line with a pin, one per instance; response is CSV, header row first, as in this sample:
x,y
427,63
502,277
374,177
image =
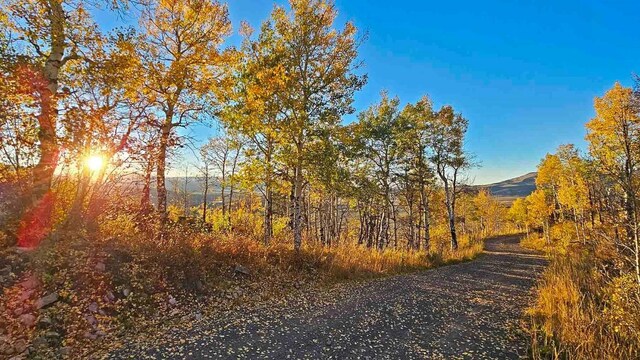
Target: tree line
x,y
592,198
70,91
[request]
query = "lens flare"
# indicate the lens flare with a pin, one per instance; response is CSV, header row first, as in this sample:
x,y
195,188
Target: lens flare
x,y
94,162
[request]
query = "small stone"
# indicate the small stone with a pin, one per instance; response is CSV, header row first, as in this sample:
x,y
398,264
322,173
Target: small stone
x,y
199,285
239,269
109,297
29,283
39,341
19,250
46,300
101,267
45,321
8,350
5,271
93,307
18,311
19,346
198,316
172,301
52,334
91,320
26,294
126,292
64,351
6,347
27,320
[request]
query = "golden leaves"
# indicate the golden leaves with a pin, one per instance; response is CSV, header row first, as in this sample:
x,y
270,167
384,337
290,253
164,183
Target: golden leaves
x,y
538,208
612,131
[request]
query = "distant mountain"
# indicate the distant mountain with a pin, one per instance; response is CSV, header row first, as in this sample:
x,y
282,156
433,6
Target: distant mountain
x,y
509,190
505,191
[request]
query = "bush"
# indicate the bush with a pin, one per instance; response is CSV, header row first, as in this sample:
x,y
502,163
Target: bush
x,y
534,241
561,236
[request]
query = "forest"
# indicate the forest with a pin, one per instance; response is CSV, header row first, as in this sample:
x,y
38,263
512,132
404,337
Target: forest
x,y
96,245
92,122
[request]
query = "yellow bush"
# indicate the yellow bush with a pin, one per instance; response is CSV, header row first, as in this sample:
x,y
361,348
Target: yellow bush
x,y
280,226
562,234
122,226
622,310
534,241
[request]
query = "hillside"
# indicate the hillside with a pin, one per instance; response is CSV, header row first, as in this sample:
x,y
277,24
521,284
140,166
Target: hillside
x,y
506,191
511,189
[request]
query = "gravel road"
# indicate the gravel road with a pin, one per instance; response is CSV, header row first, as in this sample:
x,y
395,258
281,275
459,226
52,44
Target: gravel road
x,y
470,310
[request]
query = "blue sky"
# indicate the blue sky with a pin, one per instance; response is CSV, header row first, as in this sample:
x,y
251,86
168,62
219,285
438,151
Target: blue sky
x,y
523,72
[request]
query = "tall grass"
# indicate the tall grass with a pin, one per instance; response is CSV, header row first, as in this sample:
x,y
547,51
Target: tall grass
x,y
585,309
350,261
342,261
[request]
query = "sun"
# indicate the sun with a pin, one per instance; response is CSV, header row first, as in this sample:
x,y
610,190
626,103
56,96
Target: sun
x,y
94,162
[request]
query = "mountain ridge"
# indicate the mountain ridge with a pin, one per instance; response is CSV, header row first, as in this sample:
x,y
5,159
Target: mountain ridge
x,y
511,189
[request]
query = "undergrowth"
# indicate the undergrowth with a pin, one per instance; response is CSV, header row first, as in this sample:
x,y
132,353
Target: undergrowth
x,y
124,281
586,306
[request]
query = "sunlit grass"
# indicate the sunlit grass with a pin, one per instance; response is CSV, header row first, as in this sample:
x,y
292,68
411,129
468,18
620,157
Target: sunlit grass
x,y
582,312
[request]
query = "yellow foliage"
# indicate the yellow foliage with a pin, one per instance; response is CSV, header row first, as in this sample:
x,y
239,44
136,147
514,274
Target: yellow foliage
x,y
622,307
581,314
588,303
549,172
518,212
613,126
535,242
538,208
562,234
122,226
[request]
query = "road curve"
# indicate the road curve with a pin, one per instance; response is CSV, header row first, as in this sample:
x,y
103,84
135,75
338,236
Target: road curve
x,y
469,310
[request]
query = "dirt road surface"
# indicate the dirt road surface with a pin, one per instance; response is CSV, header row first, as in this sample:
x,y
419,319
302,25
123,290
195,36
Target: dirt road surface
x,y
470,310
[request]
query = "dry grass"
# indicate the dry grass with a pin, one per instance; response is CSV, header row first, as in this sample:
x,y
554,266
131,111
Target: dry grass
x,y
535,241
587,306
132,279
352,261
582,312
